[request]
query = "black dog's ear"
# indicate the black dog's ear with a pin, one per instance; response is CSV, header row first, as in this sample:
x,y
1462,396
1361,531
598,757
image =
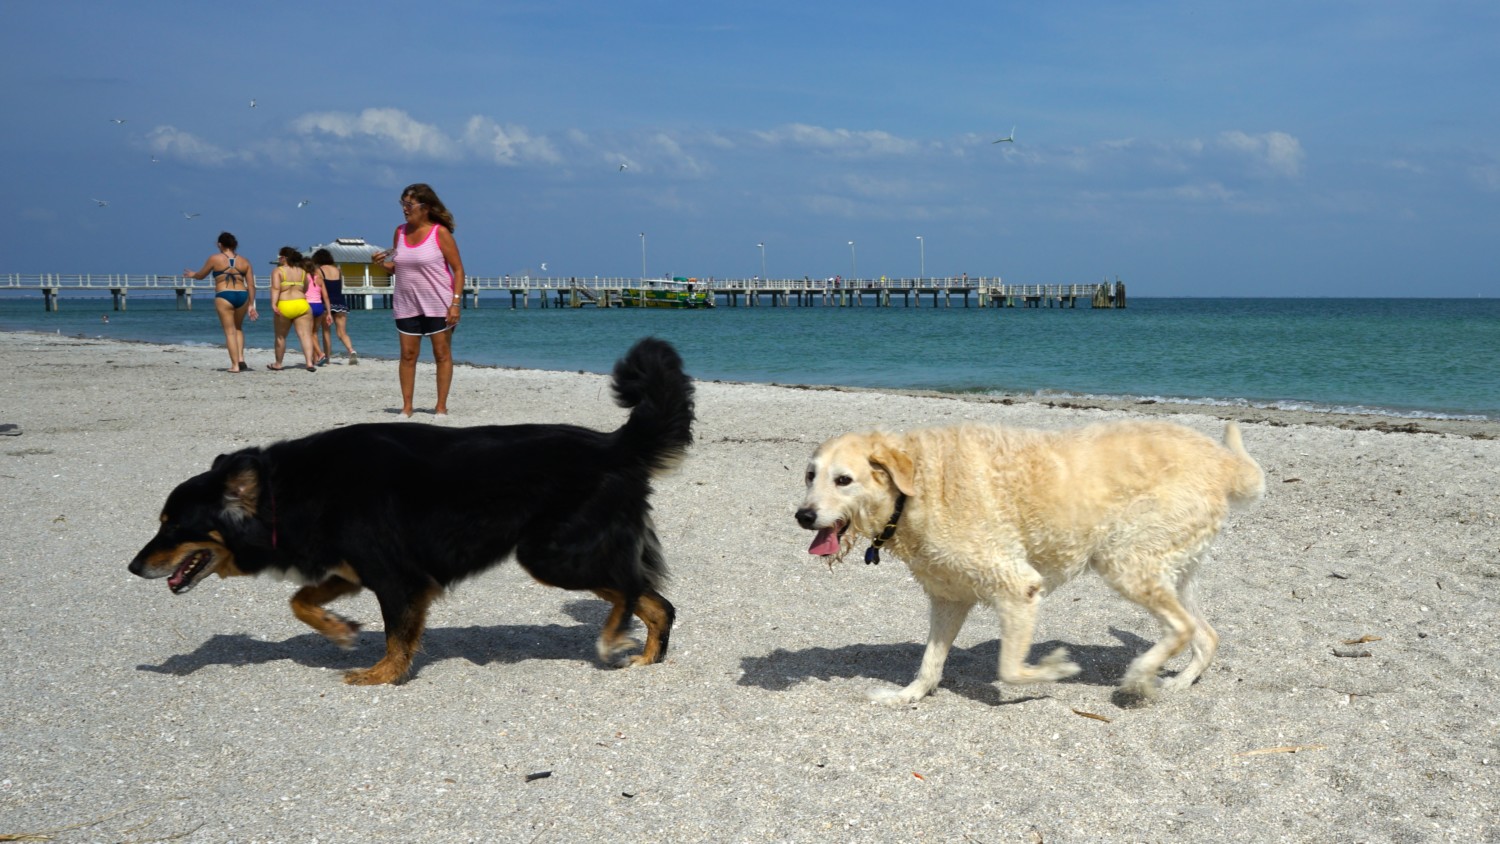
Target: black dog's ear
x,y
242,474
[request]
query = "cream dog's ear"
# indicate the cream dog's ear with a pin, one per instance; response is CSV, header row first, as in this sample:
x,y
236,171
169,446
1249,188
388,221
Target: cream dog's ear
x,y
888,457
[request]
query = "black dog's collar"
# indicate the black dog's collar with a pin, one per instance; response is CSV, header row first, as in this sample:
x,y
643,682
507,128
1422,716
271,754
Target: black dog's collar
x,y
872,554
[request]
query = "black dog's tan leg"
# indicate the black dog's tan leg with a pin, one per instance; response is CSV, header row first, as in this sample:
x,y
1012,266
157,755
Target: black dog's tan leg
x,y
656,612
307,606
612,639
403,634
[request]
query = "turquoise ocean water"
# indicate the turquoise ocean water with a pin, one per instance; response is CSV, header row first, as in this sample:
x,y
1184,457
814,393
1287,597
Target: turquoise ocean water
x,y
1428,357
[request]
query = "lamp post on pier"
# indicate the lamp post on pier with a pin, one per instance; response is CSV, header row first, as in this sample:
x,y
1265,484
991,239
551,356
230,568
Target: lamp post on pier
x,y
643,255
853,264
762,246
922,265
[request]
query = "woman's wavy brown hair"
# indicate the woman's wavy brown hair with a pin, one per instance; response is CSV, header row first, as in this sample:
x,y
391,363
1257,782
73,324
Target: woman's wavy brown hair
x,y
423,193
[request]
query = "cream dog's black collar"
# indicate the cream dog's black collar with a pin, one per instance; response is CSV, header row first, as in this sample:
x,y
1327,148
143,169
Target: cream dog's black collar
x,y
872,554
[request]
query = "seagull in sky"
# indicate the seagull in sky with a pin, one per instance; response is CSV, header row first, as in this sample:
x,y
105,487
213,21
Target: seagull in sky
x,y
303,203
1008,139
154,161
623,167
544,266
100,202
117,120
190,214
252,102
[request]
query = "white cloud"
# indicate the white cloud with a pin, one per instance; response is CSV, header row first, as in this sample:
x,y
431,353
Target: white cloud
x,y
718,141
1486,176
1406,166
508,145
171,141
1205,192
680,159
1276,152
388,125
841,142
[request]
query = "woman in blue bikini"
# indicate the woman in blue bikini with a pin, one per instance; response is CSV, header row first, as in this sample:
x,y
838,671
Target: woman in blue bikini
x,y
234,295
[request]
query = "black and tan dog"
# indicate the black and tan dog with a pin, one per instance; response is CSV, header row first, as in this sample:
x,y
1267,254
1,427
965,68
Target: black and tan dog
x,y
421,507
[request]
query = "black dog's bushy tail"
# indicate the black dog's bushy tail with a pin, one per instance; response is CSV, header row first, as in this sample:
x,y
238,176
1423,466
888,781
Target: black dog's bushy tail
x,y
649,380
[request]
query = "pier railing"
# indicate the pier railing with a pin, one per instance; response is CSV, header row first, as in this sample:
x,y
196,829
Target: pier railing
x,y
577,291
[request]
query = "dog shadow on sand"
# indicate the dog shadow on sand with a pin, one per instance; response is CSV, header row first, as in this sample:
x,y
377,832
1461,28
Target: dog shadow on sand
x,y
970,672
500,644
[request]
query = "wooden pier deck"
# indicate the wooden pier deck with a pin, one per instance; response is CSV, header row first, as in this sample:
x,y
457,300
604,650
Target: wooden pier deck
x,y
521,291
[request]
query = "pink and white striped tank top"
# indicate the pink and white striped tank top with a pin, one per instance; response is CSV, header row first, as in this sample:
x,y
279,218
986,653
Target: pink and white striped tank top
x,y
424,285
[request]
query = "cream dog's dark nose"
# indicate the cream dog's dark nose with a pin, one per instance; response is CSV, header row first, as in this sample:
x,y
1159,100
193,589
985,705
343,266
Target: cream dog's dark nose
x,y
807,517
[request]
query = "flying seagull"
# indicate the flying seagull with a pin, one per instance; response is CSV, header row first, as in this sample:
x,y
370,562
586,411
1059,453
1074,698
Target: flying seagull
x,y
252,102
303,203
100,202
190,214
117,120
1008,139
623,167
544,266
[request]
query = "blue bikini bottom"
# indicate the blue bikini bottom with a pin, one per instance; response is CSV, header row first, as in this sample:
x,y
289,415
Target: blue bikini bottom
x,y
235,298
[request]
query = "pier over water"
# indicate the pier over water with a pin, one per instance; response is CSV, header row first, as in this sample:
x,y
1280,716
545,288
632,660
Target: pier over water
x,y
371,292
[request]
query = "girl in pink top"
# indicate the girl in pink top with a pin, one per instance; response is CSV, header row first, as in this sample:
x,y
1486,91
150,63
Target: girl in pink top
x,y
429,284
322,319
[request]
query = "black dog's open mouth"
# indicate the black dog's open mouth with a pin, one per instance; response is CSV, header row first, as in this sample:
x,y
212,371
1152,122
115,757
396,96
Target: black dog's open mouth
x,y
187,574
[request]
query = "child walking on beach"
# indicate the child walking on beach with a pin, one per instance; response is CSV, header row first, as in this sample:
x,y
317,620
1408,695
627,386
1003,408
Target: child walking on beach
x,y
338,309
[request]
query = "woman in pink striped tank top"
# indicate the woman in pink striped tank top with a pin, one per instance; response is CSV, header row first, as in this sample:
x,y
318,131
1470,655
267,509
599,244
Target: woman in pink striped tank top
x,y
429,285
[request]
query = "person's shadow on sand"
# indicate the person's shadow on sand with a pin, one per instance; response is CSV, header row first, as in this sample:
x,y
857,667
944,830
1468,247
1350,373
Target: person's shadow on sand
x,y
502,644
970,672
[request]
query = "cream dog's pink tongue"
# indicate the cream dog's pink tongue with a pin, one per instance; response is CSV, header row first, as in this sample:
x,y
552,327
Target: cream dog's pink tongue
x,y
826,543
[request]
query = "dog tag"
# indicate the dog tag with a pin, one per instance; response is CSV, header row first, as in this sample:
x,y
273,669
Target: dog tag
x,y
872,556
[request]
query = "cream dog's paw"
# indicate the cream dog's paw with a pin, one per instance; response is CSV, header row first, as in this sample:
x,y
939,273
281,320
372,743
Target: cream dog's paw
x,y
896,697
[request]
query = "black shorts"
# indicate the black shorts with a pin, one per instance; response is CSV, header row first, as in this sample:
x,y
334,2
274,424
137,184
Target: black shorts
x,y
423,326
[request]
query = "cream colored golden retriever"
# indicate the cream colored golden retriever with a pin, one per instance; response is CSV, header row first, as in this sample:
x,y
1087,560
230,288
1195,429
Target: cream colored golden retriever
x,y
1003,516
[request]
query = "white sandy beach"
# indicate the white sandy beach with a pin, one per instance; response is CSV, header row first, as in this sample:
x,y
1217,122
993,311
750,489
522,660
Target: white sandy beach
x,y
130,714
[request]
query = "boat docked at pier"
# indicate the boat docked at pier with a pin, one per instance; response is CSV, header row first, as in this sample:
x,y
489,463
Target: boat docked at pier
x,y
675,292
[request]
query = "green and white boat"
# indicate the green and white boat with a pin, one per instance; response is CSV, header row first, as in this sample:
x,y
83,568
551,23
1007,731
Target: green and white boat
x,y
667,293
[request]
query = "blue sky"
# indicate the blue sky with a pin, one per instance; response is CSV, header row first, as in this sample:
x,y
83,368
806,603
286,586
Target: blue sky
x,y
1196,148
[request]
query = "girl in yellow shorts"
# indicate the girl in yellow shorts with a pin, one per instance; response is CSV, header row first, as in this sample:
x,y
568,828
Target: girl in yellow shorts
x,y
289,283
